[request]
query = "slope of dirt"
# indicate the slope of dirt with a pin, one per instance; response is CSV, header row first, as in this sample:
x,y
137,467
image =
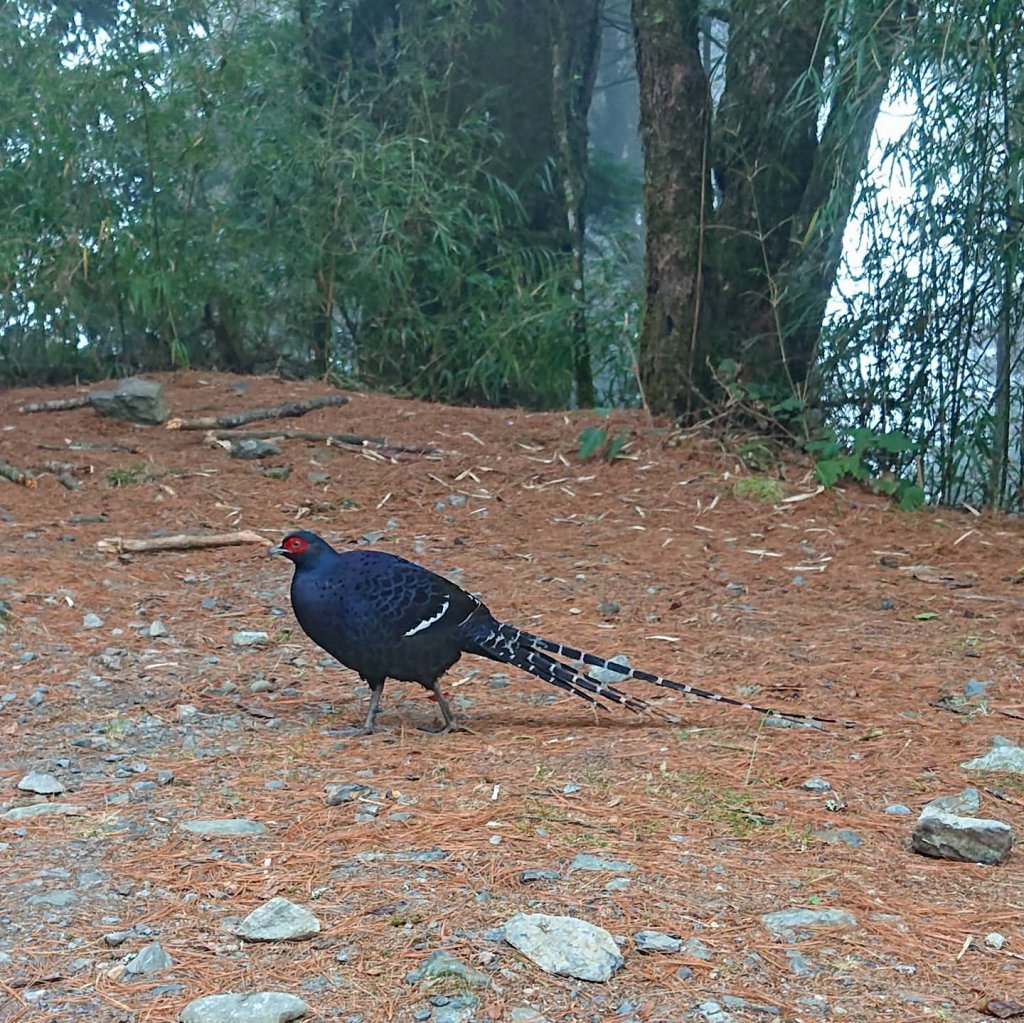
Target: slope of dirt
x,y
809,604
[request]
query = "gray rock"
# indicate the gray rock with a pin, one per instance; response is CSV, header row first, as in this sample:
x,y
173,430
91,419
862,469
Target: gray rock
x,y
783,923
965,802
696,948
92,621
1003,756
712,1012
840,836
335,795
113,939
40,783
816,784
898,810
134,399
157,629
279,920
443,964
539,874
607,675
26,813
656,941
61,898
255,1007
799,965
565,946
587,861
226,827
249,637
250,449
150,959
995,940
946,836
525,1014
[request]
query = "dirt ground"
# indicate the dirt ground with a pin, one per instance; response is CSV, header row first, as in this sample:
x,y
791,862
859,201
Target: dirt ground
x,y
833,603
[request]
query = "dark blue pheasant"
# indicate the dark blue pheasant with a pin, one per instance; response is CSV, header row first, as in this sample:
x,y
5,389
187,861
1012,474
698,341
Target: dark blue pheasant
x,y
385,617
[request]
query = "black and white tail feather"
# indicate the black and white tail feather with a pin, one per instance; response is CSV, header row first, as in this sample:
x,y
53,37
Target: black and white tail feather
x,y
533,654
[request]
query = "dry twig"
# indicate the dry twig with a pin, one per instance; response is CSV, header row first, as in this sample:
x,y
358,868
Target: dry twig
x,y
180,542
289,409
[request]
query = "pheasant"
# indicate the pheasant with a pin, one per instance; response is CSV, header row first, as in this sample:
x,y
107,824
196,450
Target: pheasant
x,y
385,617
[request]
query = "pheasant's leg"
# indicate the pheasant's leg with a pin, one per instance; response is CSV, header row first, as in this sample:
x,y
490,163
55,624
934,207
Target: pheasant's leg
x,y
450,724
376,691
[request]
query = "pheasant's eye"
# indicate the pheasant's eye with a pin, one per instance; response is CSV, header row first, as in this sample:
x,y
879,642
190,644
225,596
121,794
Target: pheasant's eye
x,y
295,544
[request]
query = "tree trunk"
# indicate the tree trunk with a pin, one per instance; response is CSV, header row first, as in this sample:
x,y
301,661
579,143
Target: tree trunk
x,y
748,277
575,46
675,108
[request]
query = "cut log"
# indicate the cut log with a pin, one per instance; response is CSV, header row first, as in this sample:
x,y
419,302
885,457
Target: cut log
x,y
20,476
288,410
56,404
179,542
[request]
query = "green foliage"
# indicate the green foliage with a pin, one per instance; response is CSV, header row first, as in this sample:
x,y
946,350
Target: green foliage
x,y
599,441
868,456
189,188
758,488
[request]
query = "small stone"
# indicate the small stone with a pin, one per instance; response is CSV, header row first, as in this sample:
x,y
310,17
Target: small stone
x,y
279,920
696,949
608,675
249,637
335,795
816,784
587,861
656,941
40,783
609,607
946,836
843,836
164,777
254,1007
995,940
250,449
113,939
24,813
92,621
61,898
539,874
712,1012
784,922
225,827
898,810
151,959
565,946
157,629
443,964
799,965
525,1014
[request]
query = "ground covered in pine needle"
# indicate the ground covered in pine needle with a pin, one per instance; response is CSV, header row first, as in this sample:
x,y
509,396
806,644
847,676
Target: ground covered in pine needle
x,y
121,676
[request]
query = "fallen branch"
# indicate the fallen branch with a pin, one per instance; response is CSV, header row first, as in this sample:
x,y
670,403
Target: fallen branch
x,y
179,542
290,409
131,449
350,440
56,404
16,475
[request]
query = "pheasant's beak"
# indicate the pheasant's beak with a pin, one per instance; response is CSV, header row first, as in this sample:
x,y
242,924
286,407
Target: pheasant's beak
x,y
276,549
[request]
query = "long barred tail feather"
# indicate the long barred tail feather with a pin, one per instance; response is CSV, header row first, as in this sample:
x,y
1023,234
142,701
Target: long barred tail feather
x,y
537,655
